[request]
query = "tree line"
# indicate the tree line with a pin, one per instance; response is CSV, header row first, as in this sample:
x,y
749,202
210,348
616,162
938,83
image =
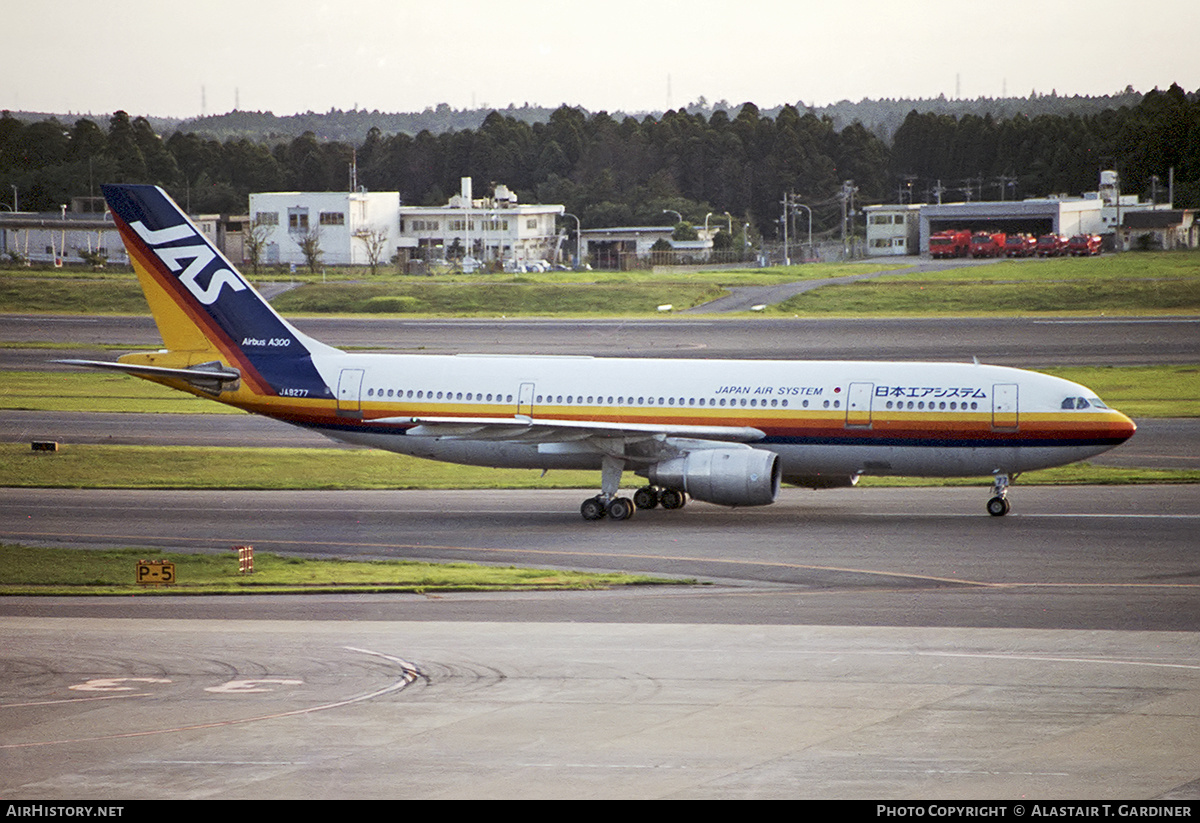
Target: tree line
x,y
732,169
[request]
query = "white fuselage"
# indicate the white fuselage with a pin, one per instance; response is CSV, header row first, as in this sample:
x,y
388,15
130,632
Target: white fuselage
x,y
820,417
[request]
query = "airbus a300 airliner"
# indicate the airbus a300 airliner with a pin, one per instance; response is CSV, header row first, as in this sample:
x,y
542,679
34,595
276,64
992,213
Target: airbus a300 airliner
x,y
721,431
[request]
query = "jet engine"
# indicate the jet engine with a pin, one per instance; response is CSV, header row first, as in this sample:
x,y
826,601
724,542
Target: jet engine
x,y
823,481
730,477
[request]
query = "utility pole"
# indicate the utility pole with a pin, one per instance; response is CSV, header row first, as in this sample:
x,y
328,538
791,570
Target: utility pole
x,y
785,202
797,205
847,197
1005,181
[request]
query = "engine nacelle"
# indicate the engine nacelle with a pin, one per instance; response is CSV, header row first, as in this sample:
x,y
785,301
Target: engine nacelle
x,y
730,477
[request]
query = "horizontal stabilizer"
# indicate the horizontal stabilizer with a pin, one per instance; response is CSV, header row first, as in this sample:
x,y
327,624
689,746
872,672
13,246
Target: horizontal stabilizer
x,y
208,378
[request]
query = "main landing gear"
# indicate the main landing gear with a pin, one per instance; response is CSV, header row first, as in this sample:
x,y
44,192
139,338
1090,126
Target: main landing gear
x,y
607,504
622,508
998,506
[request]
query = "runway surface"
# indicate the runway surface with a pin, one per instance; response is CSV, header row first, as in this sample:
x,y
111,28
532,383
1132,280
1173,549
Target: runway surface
x,y
117,710
855,643
852,643
1082,558
1023,342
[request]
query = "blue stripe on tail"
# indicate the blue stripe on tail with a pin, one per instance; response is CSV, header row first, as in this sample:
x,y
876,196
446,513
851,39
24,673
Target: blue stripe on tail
x,y
231,314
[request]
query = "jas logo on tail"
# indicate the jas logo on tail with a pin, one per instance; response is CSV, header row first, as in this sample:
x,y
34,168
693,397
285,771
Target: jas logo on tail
x,y
200,254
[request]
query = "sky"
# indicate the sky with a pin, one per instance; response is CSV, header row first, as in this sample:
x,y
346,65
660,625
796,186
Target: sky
x,y
174,59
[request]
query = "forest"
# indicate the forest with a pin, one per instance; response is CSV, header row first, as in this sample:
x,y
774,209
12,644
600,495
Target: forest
x,y
625,170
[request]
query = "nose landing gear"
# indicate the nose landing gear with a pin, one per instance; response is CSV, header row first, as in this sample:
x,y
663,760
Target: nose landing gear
x,y
998,506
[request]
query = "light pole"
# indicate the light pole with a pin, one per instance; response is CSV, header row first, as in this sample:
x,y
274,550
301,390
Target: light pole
x,y
578,239
678,216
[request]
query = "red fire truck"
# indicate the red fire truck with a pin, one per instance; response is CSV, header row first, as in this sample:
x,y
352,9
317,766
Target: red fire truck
x,y
1052,245
952,243
1084,245
984,244
1020,245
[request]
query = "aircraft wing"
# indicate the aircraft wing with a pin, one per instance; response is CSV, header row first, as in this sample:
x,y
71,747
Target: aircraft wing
x,y
629,440
549,430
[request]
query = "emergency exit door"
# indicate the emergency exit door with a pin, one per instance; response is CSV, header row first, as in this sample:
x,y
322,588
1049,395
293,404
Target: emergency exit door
x,y
1005,411
858,405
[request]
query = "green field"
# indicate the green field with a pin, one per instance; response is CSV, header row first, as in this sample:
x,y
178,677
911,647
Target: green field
x,y
1132,283
354,291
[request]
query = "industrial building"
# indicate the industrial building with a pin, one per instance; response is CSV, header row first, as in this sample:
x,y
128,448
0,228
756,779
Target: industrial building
x,y
906,229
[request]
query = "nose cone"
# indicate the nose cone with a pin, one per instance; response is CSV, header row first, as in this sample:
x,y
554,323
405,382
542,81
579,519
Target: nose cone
x,y
1121,427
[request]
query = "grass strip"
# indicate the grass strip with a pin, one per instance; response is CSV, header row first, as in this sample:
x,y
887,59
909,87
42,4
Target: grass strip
x,y
354,290
1133,283
197,467
922,297
27,570
267,469
98,392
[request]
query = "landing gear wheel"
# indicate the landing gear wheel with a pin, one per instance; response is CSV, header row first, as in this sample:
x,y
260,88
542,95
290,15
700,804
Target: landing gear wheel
x,y
646,497
620,508
672,499
593,509
998,506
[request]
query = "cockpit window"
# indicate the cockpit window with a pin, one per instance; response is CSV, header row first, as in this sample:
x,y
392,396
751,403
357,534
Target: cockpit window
x,y
1083,403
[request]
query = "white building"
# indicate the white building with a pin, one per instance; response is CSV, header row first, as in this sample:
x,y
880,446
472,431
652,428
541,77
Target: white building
x,y
493,230
488,230
893,230
344,223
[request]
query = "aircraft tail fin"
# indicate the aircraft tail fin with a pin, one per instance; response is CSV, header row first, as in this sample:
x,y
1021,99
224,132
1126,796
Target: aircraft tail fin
x,y
205,309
